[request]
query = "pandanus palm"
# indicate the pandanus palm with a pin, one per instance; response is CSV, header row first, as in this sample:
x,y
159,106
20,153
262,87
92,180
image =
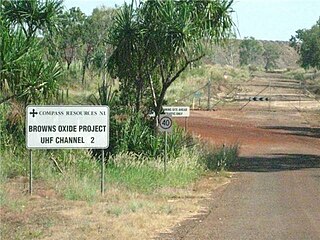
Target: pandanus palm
x,y
156,41
33,16
25,74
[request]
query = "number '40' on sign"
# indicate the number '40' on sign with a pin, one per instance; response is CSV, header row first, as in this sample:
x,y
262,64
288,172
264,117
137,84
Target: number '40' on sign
x,y
165,123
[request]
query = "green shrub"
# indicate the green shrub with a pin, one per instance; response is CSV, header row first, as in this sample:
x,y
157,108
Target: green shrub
x,y
135,134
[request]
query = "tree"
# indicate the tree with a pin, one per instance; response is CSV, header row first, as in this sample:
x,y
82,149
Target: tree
x,y
271,55
231,47
94,36
156,41
250,50
307,44
70,36
102,20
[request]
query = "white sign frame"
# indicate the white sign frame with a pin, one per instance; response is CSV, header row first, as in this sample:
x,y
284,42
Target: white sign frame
x,y
164,127
79,118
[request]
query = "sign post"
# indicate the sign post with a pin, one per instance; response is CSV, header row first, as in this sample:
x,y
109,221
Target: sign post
x,y
165,125
30,173
67,127
102,172
165,151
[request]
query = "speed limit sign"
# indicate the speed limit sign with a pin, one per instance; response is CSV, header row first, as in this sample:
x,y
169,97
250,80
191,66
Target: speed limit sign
x,y
165,123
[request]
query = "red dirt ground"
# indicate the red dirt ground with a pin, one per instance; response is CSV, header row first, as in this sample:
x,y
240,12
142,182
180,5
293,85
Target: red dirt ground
x,y
259,134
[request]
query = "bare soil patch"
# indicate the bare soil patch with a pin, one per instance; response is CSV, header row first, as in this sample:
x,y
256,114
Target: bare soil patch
x,y
259,133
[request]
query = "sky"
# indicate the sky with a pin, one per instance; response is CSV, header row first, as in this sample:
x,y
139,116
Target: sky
x,y
261,19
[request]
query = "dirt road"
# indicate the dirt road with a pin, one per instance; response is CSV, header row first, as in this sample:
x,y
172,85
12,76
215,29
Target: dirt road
x,y
275,192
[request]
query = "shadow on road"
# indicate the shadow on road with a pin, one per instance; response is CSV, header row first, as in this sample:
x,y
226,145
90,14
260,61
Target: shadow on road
x,y
299,131
277,162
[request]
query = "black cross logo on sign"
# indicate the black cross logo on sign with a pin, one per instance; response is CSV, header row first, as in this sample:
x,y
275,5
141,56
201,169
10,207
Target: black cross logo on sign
x,y
33,113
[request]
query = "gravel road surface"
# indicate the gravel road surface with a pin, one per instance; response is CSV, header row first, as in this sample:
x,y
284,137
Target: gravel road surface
x,y
275,191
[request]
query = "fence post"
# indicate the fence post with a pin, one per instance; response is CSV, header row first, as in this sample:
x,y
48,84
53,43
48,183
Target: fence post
x,y
269,95
209,94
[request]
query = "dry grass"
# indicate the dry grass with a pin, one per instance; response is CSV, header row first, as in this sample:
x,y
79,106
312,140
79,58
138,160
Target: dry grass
x,y
191,88
119,214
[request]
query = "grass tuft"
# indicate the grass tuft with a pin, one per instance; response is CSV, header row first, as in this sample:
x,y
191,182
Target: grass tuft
x,y
220,159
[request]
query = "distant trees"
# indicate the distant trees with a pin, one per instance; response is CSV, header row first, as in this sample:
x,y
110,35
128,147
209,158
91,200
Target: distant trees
x,y
249,51
231,47
156,41
100,23
94,39
255,52
307,44
270,55
70,37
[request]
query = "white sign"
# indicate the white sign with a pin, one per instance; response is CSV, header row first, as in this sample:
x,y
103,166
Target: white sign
x,y
56,127
177,111
165,123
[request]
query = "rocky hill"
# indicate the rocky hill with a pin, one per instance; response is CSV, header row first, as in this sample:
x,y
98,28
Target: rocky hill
x,y
229,54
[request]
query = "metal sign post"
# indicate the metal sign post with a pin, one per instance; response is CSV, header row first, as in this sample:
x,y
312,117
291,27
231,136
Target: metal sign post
x,y
30,173
165,125
165,151
102,172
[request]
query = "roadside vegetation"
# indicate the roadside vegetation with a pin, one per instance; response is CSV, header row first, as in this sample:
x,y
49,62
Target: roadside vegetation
x,y
52,56
138,190
135,59
41,64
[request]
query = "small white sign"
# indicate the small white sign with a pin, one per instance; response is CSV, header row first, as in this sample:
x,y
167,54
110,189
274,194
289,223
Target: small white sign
x,y
59,127
175,111
165,123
